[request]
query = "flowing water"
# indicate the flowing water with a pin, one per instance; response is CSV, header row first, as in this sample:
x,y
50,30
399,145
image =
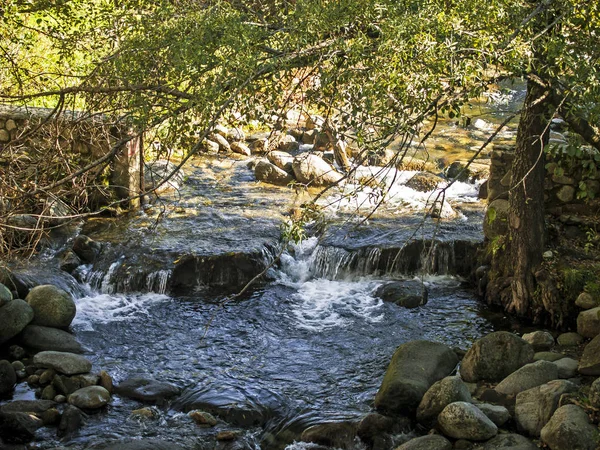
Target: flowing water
x,y
311,344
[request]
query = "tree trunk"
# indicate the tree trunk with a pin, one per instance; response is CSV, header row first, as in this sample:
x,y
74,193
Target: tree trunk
x,y
526,211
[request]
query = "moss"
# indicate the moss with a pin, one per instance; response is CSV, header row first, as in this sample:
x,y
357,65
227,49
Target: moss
x,y
576,280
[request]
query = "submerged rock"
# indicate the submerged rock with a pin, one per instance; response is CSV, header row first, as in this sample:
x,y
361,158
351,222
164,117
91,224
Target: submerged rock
x,y
147,390
494,357
38,338
52,306
91,397
409,294
462,420
414,368
335,434
14,316
570,428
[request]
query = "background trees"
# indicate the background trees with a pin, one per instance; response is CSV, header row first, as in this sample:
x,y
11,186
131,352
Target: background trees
x,y
381,69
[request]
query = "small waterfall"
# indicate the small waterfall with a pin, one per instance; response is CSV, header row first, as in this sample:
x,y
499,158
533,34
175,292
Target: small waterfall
x,y
158,281
122,279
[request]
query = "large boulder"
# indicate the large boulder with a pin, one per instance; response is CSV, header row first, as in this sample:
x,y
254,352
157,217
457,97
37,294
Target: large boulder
x,y
86,248
539,340
283,160
91,397
588,323
534,407
527,377
589,364
5,295
334,434
63,362
440,395
424,182
39,339
8,378
52,307
494,357
429,442
269,173
570,428
496,413
313,170
14,316
414,368
462,420
509,441
146,389
409,293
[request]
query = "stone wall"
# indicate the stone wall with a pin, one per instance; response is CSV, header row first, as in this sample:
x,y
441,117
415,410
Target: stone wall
x,y
32,134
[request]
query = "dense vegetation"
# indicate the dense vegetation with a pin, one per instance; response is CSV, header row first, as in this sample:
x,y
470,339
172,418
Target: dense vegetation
x,y
381,69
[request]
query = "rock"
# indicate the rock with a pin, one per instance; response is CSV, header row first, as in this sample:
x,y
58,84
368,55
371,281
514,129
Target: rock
x,y
539,340
67,385
203,418
63,362
240,148
142,444
548,356
72,419
106,381
37,339
440,395
210,146
222,141
494,357
566,194
5,295
145,413
282,160
509,441
69,261
288,143
310,169
424,182
567,367
16,352
146,390
227,435
14,316
589,364
413,369
8,378
569,339
534,407
429,442
18,427
236,134
409,294
51,417
495,223
527,377
47,376
334,434
462,420
270,173
496,413
594,394
157,171
48,393
260,145
308,137
88,249
483,190
91,397
457,171
60,399
52,307
586,301
374,427
570,428
588,323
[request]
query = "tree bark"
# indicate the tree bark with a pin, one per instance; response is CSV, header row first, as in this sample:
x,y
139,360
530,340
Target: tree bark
x,y
526,210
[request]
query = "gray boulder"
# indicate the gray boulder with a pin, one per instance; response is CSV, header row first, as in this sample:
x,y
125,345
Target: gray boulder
x,y
527,377
333,434
539,340
409,294
310,169
570,429
8,378
269,173
588,323
5,295
534,407
496,413
146,389
63,362
586,301
589,364
52,307
221,140
569,339
38,339
86,248
494,357
509,441
548,356
414,368
594,394
440,395
282,160
462,420
429,442
567,367
14,316
91,397
240,148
